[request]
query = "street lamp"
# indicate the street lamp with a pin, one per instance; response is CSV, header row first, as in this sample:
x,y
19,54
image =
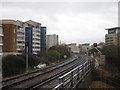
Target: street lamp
x,y
26,47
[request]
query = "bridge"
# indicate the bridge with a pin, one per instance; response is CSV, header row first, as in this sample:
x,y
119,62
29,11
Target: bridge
x,y
67,74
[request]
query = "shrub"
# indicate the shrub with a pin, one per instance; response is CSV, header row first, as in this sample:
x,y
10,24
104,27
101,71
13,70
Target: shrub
x,y
32,60
12,65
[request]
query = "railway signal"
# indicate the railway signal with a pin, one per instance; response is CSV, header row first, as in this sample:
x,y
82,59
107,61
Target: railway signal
x,y
26,51
95,44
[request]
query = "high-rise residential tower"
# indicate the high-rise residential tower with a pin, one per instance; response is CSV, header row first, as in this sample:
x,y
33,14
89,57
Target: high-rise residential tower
x,y
52,40
33,33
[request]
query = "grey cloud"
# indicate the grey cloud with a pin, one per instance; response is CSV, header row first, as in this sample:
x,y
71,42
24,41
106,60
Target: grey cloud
x,y
106,12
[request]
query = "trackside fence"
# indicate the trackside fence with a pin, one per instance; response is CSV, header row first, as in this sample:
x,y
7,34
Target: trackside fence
x,y
75,76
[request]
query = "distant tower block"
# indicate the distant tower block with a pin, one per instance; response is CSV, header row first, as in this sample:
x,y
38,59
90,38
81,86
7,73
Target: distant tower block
x,y
119,14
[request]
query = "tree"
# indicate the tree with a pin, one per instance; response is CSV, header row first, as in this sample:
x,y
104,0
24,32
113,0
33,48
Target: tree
x,y
62,49
54,54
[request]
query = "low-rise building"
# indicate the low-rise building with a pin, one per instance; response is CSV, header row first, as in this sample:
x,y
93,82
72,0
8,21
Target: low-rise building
x,y
84,47
74,48
113,36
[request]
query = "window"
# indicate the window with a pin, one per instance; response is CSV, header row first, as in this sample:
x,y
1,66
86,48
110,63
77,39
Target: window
x,y
0,49
20,37
20,42
14,39
20,33
1,30
14,31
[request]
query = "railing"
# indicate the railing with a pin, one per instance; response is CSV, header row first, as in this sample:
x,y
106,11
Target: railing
x,y
72,78
9,53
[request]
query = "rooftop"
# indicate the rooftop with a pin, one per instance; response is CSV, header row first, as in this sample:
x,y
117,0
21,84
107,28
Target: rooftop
x,y
33,23
7,21
113,28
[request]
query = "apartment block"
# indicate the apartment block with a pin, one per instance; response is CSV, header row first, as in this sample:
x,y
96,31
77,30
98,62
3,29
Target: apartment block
x,y
33,34
15,33
52,40
113,36
43,38
10,34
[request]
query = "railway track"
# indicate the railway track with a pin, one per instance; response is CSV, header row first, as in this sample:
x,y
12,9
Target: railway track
x,y
47,80
54,82
16,81
37,71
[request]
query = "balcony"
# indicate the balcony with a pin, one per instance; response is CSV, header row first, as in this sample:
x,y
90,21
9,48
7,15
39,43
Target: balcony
x,y
1,44
1,34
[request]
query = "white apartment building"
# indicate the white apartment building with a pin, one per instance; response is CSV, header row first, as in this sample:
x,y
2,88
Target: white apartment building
x,y
1,35
51,40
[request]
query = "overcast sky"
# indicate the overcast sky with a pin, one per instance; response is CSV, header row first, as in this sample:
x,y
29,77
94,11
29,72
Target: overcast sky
x,y
74,22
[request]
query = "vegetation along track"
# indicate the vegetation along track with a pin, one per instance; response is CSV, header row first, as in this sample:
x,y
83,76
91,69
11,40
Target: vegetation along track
x,y
22,80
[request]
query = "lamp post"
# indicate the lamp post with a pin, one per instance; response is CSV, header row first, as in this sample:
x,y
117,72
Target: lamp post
x,y
26,47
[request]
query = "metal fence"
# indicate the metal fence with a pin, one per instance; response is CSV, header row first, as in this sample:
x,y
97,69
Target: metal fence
x,y
75,76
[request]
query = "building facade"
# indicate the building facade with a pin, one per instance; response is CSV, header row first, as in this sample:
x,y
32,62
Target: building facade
x,y
84,47
113,36
28,39
1,37
52,40
34,33
20,36
43,38
10,35
74,48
